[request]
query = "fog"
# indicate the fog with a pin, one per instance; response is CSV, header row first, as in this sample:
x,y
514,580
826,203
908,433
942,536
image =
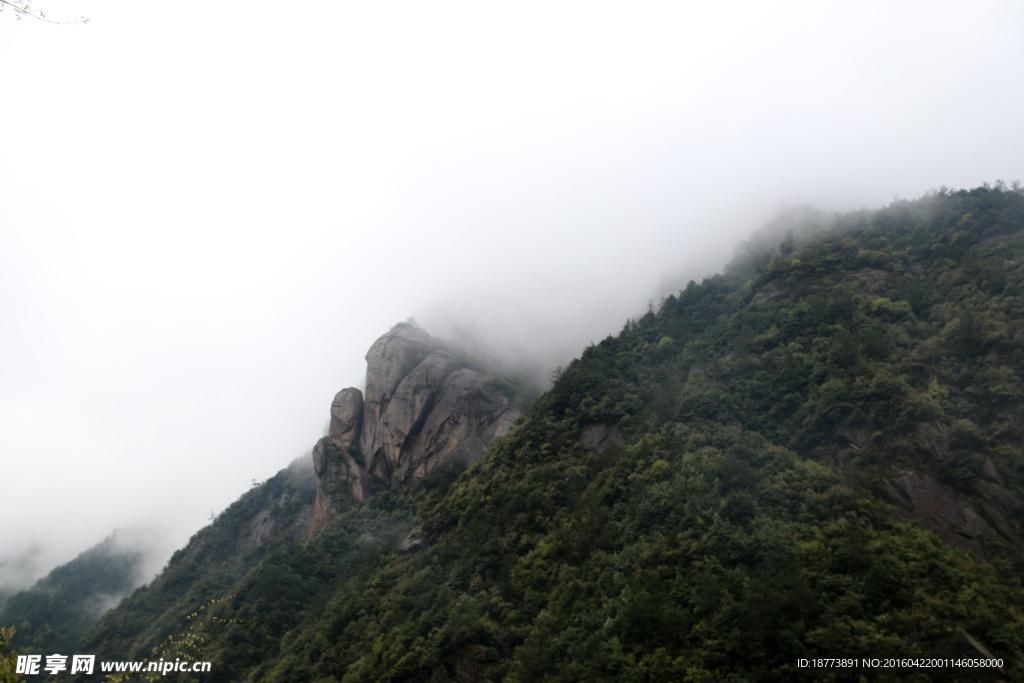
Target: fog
x,y
208,214
139,552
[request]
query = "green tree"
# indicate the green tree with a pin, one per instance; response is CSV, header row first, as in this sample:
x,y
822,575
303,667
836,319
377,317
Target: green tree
x,y
8,662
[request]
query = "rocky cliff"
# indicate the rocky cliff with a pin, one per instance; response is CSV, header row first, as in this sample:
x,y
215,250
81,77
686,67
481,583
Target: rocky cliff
x,y
423,407
961,518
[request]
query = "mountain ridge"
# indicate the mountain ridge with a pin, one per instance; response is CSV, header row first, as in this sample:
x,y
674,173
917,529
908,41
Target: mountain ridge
x,y
53,614
743,518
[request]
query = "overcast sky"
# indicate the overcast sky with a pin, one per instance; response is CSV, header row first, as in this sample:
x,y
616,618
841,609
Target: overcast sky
x,y
209,212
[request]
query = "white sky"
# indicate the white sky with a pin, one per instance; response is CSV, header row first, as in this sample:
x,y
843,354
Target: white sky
x,y
209,212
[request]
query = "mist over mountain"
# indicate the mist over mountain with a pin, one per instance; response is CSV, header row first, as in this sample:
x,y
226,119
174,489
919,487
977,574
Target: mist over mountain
x,y
814,454
53,614
19,571
198,262
667,421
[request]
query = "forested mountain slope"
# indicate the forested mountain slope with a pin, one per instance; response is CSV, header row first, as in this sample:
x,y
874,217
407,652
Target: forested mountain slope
x,y
271,514
816,454
59,608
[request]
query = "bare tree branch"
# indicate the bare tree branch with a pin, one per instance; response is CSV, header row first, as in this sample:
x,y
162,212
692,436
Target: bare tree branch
x,y
23,8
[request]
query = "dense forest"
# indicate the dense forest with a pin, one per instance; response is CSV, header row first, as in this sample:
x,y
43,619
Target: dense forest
x,y
816,454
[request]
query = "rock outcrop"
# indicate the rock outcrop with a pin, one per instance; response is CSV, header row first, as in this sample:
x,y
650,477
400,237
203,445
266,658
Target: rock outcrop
x,y
960,518
337,460
599,437
967,647
422,408
283,516
770,292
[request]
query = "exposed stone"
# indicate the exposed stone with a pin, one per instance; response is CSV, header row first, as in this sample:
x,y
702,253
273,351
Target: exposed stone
x,y
467,665
302,519
996,238
468,452
967,647
402,414
853,433
501,426
257,531
466,411
872,275
338,475
940,508
960,519
411,542
284,516
599,437
843,456
422,408
388,361
323,511
770,292
934,437
346,418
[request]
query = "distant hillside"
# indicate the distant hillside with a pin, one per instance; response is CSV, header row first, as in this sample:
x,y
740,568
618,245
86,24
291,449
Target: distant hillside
x,y
815,454
53,614
271,514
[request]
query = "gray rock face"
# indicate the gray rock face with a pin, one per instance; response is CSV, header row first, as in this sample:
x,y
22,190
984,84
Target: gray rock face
x,y
287,516
770,292
401,416
960,519
337,461
599,437
346,418
422,408
463,405
872,275
852,433
411,542
338,475
966,646
388,361
259,530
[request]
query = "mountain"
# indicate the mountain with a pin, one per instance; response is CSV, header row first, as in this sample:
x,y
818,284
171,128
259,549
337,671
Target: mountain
x,y
59,608
270,515
426,405
816,454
